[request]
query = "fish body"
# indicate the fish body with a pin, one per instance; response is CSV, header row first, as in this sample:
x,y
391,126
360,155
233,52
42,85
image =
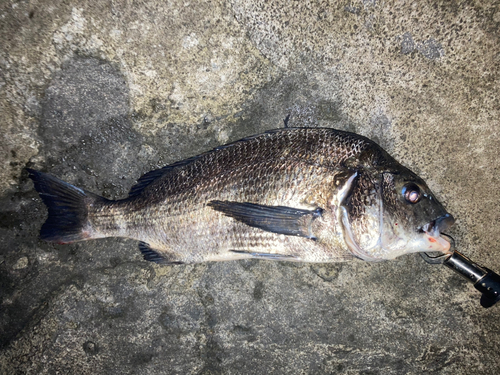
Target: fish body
x,y
295,194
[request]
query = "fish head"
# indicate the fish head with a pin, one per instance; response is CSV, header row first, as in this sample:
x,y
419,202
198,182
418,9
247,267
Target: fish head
x,y
413,219
391,213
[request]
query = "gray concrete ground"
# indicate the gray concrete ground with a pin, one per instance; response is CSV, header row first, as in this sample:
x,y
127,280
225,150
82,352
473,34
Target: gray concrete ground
x,y
100,92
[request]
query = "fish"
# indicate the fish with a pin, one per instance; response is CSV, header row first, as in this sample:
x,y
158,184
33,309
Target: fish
x,y
292,194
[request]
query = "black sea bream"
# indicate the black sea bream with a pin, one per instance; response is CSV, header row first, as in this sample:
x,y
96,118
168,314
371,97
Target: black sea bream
x,y
294,194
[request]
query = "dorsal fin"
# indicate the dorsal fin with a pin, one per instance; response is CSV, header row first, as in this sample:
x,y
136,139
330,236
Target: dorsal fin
x,y
151,176
146,179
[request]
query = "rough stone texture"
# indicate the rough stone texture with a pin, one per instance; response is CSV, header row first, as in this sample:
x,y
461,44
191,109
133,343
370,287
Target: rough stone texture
x,y
99,92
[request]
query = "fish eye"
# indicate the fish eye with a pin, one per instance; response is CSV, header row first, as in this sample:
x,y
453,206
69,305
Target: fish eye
x,y
411,192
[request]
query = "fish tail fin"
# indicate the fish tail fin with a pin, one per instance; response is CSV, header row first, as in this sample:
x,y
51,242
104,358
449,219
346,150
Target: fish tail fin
x,y
68,209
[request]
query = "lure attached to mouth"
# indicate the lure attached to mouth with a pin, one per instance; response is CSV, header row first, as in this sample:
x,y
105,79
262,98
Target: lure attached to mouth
x,y
433,234
484,279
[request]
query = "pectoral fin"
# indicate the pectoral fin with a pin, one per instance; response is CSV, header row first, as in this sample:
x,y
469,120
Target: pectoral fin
x,y
277,219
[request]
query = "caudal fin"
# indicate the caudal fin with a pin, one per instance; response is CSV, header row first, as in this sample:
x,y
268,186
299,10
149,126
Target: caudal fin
x,y
67,206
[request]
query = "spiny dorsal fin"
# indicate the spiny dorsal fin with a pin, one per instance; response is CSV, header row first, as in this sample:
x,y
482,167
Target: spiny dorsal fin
x,y
151,176
277,219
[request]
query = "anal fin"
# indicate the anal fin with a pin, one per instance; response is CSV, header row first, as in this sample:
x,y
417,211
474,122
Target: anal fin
x,y
267,256
152,255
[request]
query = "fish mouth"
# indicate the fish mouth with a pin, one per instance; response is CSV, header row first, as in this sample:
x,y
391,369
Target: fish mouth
x,y
438,225
433,229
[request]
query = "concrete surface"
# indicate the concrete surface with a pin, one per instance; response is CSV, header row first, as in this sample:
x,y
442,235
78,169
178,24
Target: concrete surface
x,y
100,92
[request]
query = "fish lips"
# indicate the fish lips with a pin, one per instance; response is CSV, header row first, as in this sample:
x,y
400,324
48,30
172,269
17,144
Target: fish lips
x,y
438,225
